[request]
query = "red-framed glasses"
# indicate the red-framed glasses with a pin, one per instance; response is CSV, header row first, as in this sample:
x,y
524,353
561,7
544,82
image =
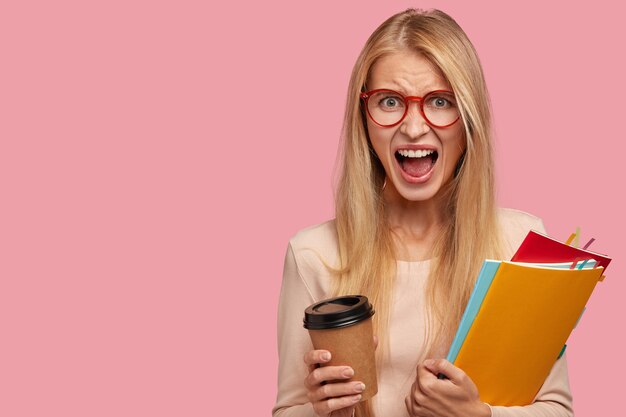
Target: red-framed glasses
x,y
387,107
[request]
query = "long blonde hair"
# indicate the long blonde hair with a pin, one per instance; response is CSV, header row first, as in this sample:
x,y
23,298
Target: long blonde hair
x,y
471,234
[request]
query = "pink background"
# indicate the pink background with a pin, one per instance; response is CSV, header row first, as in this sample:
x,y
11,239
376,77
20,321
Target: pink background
x,y
156,157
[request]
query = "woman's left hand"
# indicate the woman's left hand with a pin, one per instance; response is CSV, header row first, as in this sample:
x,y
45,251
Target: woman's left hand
x,y
453,397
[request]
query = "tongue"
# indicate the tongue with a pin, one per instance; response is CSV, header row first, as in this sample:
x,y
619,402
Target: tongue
x,y
417,167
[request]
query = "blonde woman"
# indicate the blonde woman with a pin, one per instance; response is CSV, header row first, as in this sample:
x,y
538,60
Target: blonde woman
x,y
415,218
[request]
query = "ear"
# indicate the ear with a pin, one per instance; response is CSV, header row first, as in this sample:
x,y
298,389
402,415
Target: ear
x,y
459,164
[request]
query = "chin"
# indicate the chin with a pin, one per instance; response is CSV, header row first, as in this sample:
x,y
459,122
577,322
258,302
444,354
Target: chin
x,y
418,195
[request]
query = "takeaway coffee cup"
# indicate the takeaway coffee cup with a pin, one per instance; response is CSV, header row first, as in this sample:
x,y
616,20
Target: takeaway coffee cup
x,y
343,326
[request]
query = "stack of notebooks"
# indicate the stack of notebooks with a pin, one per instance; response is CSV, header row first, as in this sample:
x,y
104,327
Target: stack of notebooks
x,y
520,315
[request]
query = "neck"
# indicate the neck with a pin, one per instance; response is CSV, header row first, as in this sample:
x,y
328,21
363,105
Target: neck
x,y
415,225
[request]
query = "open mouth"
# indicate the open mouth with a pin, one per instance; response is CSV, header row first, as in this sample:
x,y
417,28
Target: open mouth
x,y
416,163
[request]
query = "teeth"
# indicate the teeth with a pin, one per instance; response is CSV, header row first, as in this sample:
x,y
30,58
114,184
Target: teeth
x,y
420,153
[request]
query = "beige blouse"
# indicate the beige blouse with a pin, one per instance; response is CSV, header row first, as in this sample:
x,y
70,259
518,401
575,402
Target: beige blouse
x,y
306,280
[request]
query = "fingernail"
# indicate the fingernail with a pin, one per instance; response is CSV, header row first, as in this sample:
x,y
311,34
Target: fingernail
x,y
326,356
348,373
359,387
357,398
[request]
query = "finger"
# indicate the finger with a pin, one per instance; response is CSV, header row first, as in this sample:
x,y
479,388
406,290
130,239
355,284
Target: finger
x,y
414,401
442,366
313,357
328,373
334,404
426,381
408,403
337,389
411,406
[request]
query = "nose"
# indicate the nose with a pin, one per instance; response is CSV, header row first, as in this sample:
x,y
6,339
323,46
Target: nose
x,y
414,124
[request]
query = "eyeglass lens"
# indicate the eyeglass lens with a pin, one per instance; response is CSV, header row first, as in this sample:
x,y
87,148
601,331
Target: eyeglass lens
x,y
388,107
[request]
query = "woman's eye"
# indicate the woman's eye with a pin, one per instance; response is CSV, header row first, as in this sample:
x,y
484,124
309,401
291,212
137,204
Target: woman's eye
x,y
440,102
390,102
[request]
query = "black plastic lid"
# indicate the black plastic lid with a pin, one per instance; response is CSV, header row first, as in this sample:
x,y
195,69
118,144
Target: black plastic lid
x,y
337,312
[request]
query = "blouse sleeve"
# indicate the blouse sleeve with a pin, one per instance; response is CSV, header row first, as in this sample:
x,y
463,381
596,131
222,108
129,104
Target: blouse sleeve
x,y
554,399
293,343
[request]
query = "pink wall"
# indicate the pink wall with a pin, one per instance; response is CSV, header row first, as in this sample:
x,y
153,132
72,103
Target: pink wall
x,y
155,159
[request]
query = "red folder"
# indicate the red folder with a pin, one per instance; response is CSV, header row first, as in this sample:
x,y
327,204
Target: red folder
x,y
539,248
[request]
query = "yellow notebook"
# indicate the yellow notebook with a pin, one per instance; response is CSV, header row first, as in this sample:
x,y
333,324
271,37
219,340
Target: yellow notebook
x,y
521,327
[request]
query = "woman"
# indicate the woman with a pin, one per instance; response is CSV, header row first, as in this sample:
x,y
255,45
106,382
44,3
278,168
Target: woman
x,y
415,218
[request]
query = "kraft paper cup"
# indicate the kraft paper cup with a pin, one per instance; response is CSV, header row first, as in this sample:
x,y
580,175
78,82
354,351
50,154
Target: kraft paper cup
x,y
343,326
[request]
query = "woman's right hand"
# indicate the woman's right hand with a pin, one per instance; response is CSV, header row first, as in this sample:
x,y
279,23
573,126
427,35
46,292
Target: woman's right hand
x,y
336,398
